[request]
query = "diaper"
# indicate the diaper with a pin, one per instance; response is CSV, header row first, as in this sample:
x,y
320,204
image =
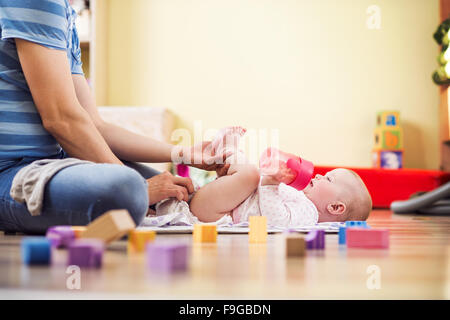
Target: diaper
x,y
185,216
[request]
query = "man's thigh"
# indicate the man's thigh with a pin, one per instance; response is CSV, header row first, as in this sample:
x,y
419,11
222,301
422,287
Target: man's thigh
x,y
75,196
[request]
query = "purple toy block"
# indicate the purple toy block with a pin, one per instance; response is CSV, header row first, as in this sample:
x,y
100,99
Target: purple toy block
x,y
315,239
60,236
86,253
167,257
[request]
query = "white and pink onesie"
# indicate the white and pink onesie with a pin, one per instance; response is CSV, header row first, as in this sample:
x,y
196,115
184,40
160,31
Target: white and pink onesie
x,y
283,206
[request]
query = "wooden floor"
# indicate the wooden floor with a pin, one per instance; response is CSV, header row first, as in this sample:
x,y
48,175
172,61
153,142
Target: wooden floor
x,y
415,267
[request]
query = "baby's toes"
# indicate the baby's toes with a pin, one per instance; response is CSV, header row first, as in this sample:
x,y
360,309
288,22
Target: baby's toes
x,y
239,130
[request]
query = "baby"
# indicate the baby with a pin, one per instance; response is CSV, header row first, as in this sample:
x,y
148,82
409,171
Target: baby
x,y
340,195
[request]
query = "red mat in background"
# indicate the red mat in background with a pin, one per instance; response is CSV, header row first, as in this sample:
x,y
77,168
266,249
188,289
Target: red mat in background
x,y
387,185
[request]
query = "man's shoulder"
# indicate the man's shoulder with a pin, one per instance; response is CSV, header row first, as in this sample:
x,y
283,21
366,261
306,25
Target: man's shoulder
x,y
58,7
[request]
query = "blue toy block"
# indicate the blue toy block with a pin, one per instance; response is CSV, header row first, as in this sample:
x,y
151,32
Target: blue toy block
x,y
342,232
36,250
356,224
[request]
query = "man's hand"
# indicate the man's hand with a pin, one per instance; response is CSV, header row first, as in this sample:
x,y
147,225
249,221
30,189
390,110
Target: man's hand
x,y
165,186
202,156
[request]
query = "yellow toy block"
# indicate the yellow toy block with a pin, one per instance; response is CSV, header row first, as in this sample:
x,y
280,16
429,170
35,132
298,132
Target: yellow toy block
x,y
78,230
295,246
110,226
388,139
138,239
205,233
257,229
388,119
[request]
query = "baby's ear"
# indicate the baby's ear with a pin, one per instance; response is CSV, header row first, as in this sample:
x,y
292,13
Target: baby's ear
x,y
336,208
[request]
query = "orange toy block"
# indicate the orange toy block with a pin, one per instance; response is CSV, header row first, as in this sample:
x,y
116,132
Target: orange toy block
x,y
388,139
110,226
295,246
78,230
205,233
257,229
138,239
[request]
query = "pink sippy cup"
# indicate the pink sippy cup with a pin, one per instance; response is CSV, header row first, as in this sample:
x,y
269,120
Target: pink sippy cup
x,y
272,158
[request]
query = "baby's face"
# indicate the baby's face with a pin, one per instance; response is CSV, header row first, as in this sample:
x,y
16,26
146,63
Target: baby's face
x,y
332,186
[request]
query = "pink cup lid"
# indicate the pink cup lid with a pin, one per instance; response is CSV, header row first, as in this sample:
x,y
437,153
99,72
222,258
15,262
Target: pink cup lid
x,y
304,170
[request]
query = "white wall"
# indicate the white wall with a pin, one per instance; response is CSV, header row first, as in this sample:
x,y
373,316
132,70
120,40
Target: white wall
x,y
309,68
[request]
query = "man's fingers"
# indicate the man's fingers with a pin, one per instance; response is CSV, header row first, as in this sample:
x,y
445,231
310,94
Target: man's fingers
x,y
182,193
185,182
223,170
176,192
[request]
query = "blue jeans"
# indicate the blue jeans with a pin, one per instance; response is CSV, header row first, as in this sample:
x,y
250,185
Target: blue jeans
x,y
76,195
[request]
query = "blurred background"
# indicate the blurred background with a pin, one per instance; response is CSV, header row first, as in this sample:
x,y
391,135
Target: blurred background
x,y
319,71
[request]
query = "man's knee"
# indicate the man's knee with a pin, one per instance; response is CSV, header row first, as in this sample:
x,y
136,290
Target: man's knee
x,y
126,189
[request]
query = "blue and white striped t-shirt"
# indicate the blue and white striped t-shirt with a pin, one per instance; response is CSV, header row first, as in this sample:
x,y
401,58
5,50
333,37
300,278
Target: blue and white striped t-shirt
x,y
50,23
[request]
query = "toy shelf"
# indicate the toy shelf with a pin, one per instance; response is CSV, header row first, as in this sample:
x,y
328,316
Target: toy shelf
x,y
92,31
444,112
444,130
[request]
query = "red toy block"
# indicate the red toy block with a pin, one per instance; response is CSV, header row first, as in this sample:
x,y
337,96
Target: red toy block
x,y
367,238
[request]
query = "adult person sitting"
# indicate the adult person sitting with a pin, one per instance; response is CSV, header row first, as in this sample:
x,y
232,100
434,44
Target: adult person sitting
x,y
47,111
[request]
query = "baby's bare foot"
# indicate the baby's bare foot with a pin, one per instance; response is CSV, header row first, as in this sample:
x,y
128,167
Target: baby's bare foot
x,y
228,139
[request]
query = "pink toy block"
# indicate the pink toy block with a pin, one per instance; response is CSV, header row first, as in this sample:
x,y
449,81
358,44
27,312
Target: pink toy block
x,y
367,238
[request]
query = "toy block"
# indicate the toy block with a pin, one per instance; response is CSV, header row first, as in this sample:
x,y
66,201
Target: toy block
x,y
350,224
167,257
36,251
356,224
388,139
388,119
86,253
110,226
295,245
315,239
367,238
205,233
60,236
78,230
342,233
257,229
387,159
138,239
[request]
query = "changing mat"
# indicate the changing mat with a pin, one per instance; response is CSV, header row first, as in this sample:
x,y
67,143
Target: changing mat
x,y
181,222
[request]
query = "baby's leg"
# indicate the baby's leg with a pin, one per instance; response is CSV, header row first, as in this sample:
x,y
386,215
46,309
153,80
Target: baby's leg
x,y
219,197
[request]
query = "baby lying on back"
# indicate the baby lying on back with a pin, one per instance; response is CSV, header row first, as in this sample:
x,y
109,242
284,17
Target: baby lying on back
x,y
340,195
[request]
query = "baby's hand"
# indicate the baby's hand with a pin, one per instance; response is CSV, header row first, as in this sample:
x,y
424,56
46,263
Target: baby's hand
x,y
284,175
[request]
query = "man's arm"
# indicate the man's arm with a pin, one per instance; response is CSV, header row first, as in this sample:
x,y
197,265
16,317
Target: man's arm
x,y
137,148
48,75
124,143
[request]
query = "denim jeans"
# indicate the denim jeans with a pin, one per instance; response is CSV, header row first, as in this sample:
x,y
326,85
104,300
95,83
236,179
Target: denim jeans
x,y
76,195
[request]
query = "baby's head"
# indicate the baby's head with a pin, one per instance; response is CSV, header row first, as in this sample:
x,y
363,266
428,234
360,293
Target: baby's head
x,y
340,195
